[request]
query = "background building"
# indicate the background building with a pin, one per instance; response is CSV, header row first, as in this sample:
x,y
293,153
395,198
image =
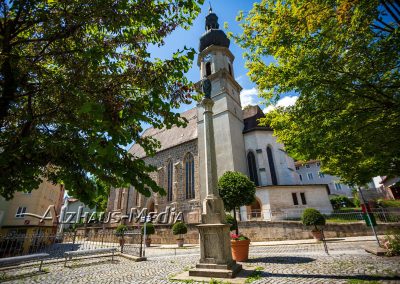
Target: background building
x,y
35,202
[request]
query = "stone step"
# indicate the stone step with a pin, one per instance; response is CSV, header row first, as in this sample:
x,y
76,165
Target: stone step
x,y
216,273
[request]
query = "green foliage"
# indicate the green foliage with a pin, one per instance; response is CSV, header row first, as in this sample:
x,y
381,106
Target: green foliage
x,y
236,190
341,201
231,221
392,242
77,82
150,229
179,228
356,198
388,203
342,59
312,217
120,230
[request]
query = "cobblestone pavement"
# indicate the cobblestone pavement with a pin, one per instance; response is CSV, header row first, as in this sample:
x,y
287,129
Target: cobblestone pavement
x,y
306,263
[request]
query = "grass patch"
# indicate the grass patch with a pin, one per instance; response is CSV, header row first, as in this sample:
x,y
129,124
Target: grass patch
x,y
255,275
340,220
357,281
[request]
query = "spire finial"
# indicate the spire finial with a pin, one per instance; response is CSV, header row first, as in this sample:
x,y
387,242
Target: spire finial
x,y
209,9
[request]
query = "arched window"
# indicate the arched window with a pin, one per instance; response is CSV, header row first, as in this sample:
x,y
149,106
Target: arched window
x,y
251,163
169,185
208,68
271,166
230,69
189,174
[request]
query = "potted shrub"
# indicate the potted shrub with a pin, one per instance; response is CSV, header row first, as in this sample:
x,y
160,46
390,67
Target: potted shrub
x,y
150,230
312,217
237,190
119,232
179,228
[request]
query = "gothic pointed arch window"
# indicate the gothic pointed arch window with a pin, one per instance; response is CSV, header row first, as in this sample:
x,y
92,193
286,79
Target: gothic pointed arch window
x,y
189,176
169,181
271,166
251,164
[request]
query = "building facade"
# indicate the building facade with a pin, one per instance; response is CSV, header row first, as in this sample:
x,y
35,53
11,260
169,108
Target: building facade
x,y
241,145
36,202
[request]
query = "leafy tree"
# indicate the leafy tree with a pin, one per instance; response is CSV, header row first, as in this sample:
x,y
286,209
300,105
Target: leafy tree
x,y
342,58
341,201
76,84
236,190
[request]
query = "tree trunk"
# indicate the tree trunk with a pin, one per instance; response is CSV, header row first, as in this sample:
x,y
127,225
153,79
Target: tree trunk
x,y
236,224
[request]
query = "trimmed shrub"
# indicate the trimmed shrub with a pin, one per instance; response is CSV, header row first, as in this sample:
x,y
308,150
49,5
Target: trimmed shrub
x,y
150,229
179,228
236,190
121,229
312,217
388,203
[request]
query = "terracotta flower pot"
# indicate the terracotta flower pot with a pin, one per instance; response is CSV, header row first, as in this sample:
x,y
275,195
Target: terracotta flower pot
x,y
180,242
240,250
317,234
148,242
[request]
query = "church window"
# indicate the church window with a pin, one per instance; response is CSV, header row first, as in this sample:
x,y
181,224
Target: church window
x,y
303,198
310,176
301,177
137,198
119,198
208,68
321,174
307,166
169,185
251,163
338,186
189,174
230,69
271,166
294,196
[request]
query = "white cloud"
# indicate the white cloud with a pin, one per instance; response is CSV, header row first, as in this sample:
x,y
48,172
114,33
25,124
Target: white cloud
x,y
284,102
249,97
240,79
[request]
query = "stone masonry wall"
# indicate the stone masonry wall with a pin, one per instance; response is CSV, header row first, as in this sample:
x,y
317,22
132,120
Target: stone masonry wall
x,y
261,231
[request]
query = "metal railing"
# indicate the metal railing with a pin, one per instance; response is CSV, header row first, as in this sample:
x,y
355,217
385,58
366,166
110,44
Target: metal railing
x,y
382,215
56,244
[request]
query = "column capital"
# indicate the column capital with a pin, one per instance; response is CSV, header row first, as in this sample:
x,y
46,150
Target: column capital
x,y
207,104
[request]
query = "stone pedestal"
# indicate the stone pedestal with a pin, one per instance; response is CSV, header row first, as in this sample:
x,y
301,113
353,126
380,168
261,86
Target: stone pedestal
x,y
215,244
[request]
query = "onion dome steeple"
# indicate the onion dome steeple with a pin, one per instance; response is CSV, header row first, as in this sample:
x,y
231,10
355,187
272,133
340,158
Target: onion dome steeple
x,y
213,35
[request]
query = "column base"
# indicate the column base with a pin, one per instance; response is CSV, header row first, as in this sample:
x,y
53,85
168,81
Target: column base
x,y
216,270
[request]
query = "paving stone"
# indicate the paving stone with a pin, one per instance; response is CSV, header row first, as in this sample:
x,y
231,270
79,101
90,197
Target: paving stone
x,y
306,263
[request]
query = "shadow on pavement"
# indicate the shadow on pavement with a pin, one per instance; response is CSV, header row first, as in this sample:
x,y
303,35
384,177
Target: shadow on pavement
x,y
282,259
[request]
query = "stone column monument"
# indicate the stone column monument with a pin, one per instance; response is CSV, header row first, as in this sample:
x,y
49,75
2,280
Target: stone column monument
x,y
215,245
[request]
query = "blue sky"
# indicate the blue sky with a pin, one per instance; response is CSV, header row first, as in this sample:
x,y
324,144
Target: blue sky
x,y
226,11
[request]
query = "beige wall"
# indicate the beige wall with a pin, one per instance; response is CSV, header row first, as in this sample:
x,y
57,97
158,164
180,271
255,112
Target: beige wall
x,y
35,202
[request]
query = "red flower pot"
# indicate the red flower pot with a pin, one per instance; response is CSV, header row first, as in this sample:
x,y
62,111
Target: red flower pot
x,y
240,250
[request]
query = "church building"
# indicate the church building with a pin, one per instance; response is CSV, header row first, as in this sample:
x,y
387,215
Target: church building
x,y
241,145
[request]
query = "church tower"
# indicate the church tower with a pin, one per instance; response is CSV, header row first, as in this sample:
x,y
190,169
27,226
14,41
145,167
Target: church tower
x,y
215,61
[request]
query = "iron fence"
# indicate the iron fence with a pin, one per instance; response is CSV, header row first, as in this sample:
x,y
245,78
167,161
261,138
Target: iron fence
x,y
382,215
130,242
